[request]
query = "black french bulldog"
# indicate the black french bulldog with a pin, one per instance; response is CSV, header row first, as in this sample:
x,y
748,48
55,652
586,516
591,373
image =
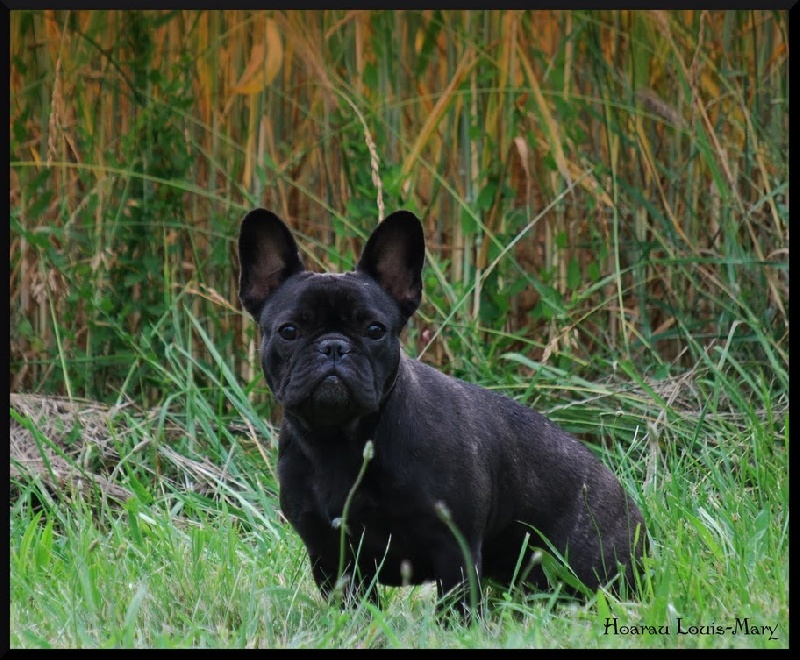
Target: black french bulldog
x,y
331,354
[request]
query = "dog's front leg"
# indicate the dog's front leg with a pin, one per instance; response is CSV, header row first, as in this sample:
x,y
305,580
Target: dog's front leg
x,y
324,573
456,588
323,543
351,587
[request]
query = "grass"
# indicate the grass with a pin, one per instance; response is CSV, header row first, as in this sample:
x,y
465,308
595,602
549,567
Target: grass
x,y
207,562
605,196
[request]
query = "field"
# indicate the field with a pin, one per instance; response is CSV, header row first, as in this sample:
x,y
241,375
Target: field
x,y
605,201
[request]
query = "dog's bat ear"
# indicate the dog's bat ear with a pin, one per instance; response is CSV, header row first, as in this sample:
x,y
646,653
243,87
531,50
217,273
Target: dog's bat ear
x,y
268,256
394,255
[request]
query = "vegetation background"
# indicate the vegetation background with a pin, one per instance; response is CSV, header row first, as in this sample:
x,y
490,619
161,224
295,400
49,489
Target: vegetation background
x,y
605,200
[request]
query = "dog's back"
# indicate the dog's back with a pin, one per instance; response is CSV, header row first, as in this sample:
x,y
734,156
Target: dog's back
x,y
515,473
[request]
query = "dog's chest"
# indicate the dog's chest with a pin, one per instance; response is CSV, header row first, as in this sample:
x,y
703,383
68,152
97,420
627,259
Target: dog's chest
x,y
334,481
380,508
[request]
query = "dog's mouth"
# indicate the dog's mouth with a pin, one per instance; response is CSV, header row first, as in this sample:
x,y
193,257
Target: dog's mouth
x,y
329,395
331,392
330,402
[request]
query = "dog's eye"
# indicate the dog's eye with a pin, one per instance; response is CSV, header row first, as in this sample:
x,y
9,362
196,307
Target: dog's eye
x,y
376,331
289,332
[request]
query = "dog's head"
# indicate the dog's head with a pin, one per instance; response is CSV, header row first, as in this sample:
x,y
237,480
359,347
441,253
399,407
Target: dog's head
x,y
330,345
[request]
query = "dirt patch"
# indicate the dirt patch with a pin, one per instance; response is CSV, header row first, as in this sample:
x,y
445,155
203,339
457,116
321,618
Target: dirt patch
x,y
58,440
72,446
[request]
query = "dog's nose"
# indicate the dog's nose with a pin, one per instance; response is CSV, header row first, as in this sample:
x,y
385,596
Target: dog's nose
x,y
334,348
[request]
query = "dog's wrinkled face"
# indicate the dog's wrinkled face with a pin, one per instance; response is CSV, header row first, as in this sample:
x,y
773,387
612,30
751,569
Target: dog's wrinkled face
x,y
329,346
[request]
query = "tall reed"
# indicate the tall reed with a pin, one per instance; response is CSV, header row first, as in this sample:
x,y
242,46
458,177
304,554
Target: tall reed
x,y
636,160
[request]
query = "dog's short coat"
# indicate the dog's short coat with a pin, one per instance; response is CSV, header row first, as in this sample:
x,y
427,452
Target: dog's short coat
x,y
331,354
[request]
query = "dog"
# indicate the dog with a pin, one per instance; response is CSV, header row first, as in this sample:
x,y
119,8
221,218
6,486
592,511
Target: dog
x,y
432,478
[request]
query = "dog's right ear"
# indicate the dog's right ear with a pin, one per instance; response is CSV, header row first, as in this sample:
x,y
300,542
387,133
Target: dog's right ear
x,y
268,256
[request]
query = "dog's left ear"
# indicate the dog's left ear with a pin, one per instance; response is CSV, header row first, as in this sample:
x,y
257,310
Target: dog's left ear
x,y
393,256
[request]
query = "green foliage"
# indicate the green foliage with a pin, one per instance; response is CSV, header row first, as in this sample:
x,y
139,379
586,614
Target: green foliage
x,y
176,566
605,199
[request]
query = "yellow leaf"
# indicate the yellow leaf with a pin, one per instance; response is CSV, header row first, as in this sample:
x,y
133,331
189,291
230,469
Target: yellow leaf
x,y
449,94
419,39
265,62
778,53
544,109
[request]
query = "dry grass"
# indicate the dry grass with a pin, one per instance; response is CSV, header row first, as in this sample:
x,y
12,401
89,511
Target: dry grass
x,y
671,122
73,446
60,462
